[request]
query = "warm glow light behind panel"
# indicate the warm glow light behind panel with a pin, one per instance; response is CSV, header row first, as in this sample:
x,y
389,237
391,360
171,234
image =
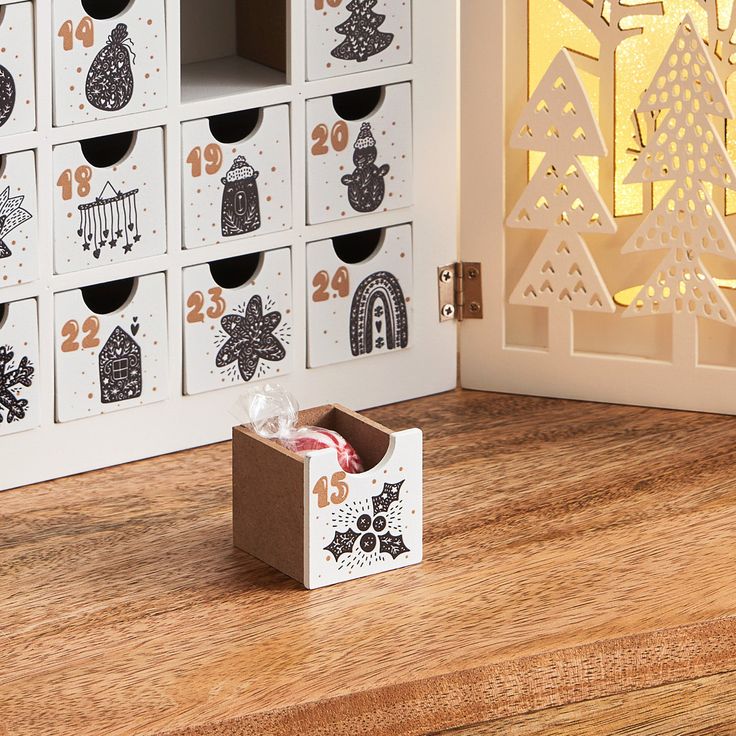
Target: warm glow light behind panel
x,y
670,349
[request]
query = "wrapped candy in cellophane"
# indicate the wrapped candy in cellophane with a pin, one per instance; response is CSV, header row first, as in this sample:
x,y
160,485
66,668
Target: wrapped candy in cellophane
x,y
273,413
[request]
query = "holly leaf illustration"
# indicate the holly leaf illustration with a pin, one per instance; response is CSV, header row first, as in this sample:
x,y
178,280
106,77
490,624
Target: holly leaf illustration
x,y
392,545
342,544
389,495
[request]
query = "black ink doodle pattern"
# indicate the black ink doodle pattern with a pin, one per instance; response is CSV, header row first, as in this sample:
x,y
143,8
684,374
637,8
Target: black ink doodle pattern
x,y
378,315
111,219
241,209
12,215
362,37
366,185
251,339
121,377
11,379
7,95
372,534
110,81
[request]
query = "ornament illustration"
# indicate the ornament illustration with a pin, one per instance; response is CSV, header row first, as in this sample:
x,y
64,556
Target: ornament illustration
x,y
251,339
11,380
241,209
7,95
366,185
111,219
362,37
378,315
121,377
110,80
373,528
12,215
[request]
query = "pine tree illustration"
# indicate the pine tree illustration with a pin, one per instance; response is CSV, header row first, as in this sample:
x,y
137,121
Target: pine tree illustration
x,y
362,37
687,150
561,198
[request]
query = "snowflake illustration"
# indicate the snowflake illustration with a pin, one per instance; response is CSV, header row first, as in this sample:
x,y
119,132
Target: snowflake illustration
x,y
372,535
10,381
251,339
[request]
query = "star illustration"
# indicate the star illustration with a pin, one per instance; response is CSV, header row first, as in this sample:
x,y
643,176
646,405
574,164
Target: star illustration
x,y
127,248
342,544
251,339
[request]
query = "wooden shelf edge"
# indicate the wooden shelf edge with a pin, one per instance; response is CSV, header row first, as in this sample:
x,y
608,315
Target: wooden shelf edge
x,y
511,688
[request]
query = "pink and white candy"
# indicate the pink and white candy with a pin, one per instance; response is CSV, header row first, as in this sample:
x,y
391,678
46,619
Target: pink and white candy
x,y
309,439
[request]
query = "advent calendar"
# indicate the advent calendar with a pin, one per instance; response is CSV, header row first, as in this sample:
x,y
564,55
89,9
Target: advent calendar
x,y
194,204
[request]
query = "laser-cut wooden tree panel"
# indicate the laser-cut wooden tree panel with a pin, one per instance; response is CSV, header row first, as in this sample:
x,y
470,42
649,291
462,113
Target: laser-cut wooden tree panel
x,y
561,198
687,150
611,22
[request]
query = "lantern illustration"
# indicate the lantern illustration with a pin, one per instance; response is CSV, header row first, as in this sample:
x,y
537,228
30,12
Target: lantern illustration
x,y
241,210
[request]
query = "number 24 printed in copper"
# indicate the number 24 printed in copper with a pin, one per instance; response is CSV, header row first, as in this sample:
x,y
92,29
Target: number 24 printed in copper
x,y
340,284
322,490
196,301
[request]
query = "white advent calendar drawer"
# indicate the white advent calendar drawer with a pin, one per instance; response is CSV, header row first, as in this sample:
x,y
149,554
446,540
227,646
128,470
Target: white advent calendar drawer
x,y
111,347
17,69
360,289
109,203
305,516
18,219
236,175
359,156
19,394
111,64
237,320
347,36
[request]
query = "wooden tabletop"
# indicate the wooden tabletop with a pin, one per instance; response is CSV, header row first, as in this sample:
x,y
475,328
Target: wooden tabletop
x,y
580,561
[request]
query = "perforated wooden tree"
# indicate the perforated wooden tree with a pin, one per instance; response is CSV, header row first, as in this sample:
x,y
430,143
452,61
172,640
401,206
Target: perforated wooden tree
x,y
611,22
687,150
561,198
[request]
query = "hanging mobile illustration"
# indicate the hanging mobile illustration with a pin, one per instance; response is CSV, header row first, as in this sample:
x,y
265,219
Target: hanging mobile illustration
x,y
241,209
110,80
121,377
12,215
11,379
111,219
378,316
366,185
7,95
362,37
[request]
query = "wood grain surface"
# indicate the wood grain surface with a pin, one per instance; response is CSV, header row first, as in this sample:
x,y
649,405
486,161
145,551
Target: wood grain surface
x,y
705,707
573,552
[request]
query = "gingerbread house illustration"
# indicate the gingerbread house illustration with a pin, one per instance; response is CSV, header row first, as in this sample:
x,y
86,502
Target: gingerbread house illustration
x,y
120,368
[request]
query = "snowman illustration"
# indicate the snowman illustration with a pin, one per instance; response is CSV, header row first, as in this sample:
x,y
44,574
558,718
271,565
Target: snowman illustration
x,y
366,185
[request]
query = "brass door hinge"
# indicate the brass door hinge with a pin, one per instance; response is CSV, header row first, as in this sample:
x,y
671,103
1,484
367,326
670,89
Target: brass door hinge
x,y
461,291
